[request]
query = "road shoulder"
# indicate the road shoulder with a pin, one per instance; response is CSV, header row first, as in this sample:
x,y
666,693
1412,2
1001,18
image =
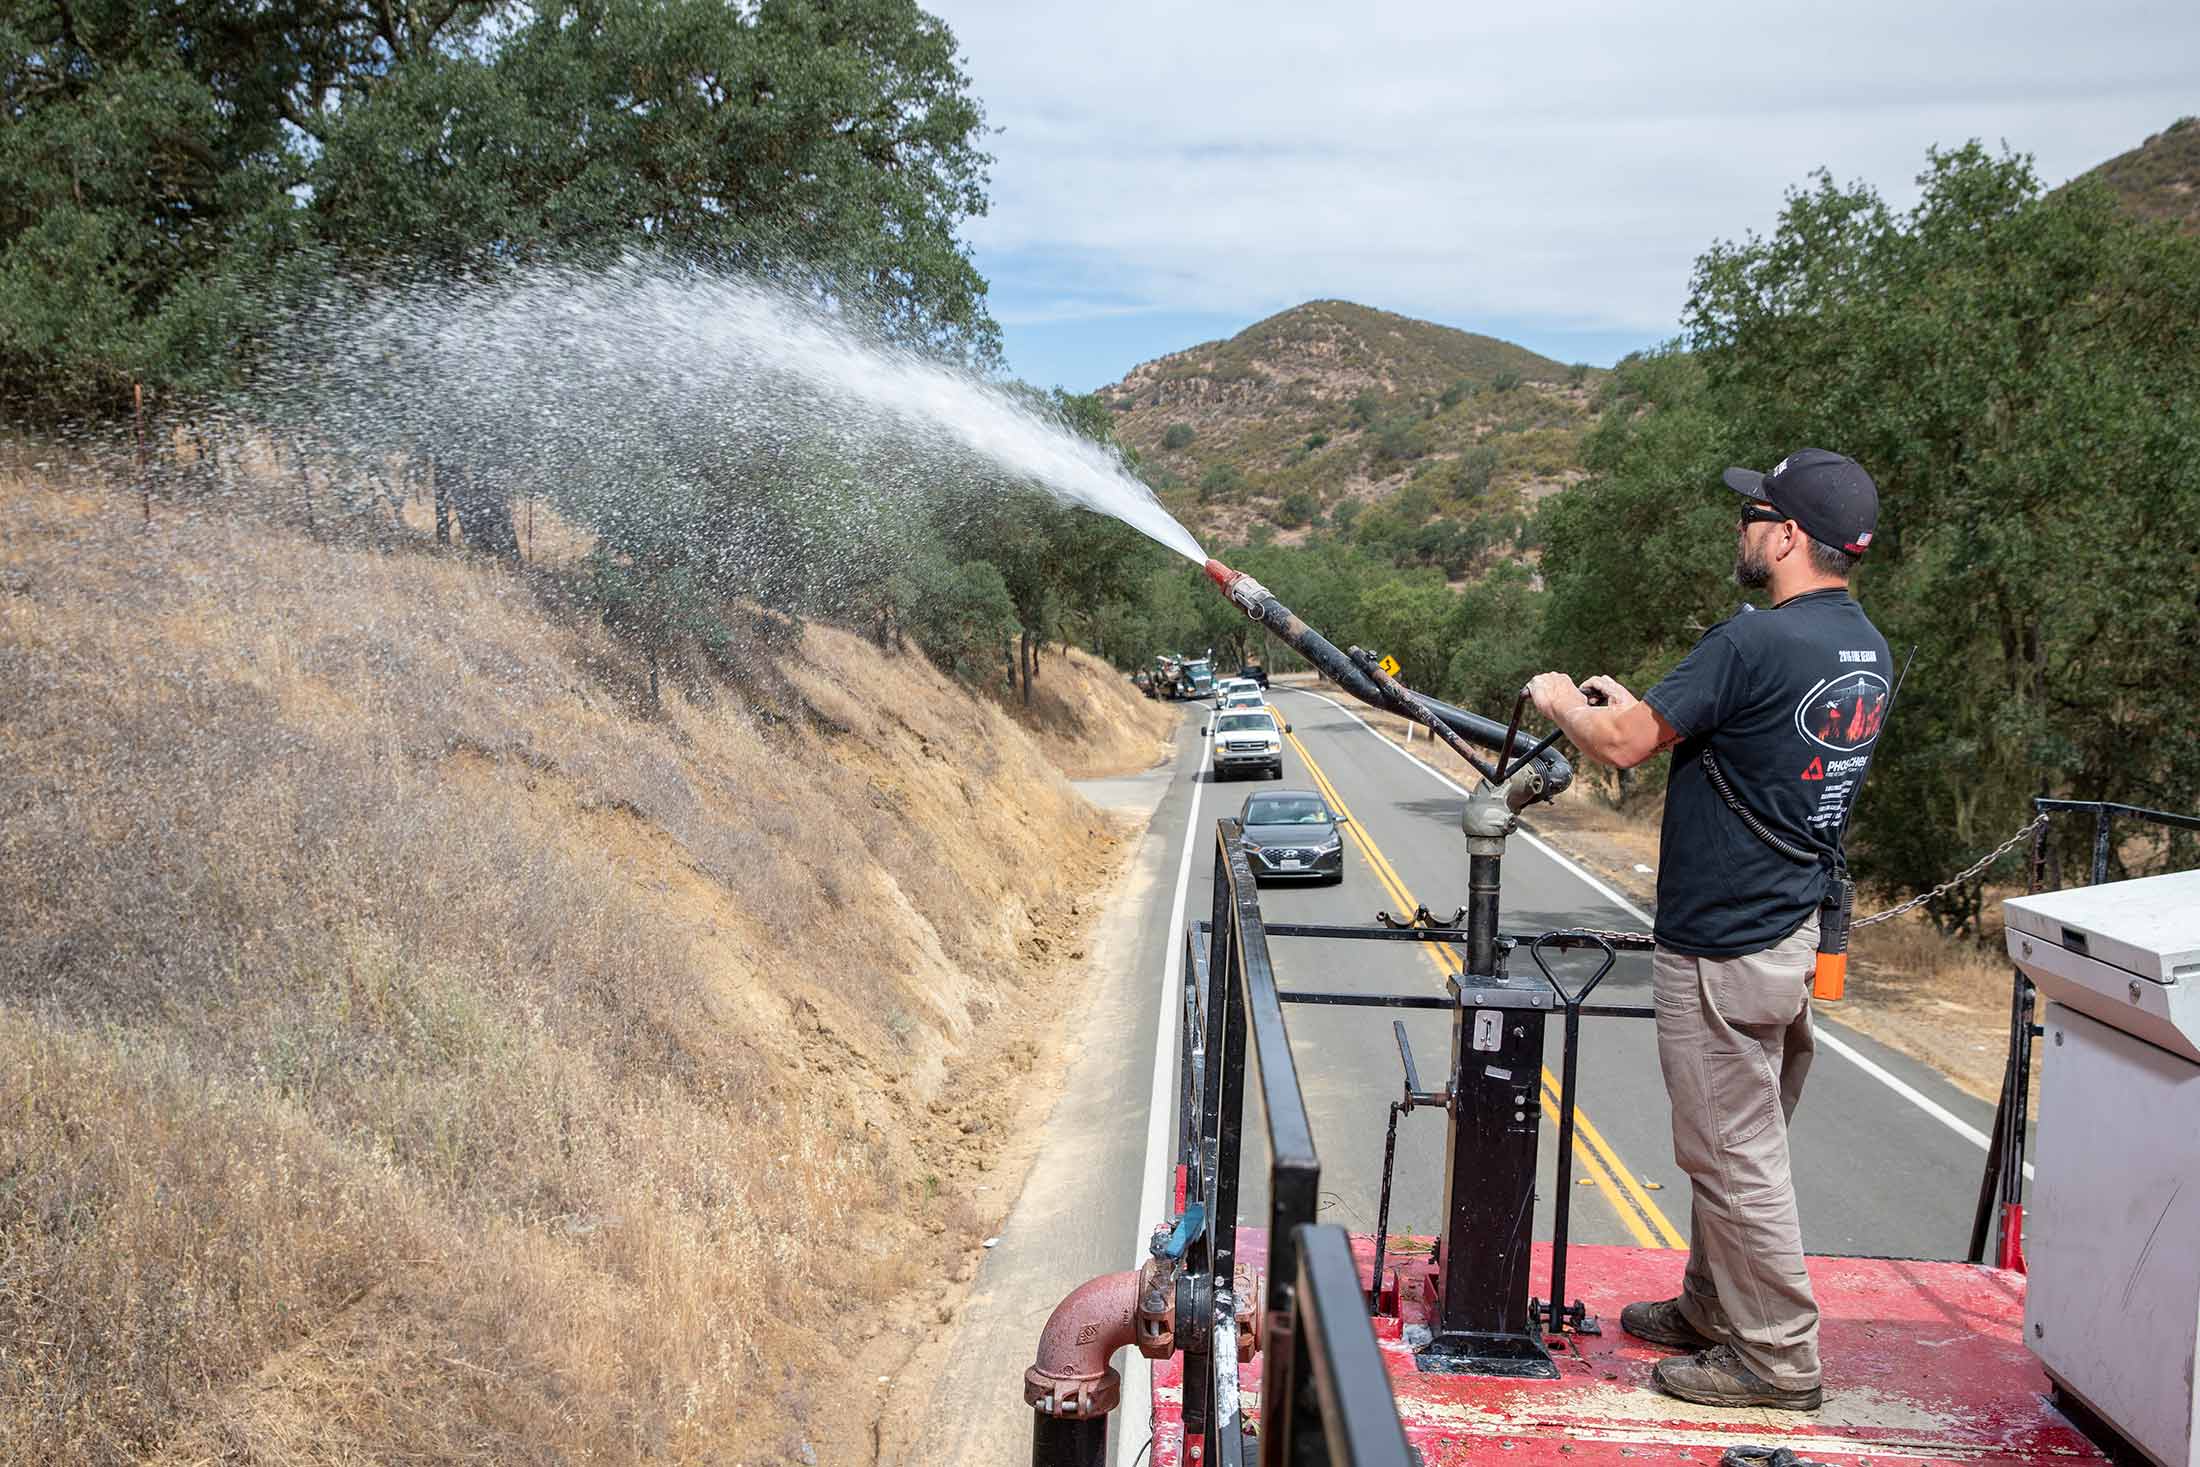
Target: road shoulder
x,y
959,1395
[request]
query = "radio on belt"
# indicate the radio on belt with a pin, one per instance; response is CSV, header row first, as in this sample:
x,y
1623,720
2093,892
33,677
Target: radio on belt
x,y
2113,1231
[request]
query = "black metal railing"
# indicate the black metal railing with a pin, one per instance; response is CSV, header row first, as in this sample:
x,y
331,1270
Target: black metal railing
x,y
1325,1395
2001,1188
1573,1002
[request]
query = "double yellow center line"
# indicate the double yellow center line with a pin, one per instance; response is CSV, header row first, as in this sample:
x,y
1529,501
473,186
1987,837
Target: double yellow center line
x,y
1636,1212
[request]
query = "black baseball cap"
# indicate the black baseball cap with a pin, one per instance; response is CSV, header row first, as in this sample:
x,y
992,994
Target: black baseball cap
x,y
1828,494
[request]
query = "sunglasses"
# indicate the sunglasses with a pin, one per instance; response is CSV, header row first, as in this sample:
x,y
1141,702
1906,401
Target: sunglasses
x,y
1760,514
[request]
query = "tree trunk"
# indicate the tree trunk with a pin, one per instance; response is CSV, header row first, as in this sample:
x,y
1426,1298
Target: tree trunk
x,y
1023,656
442,503
484,513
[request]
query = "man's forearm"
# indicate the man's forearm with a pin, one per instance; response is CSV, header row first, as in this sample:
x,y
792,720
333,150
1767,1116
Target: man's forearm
x,y
1590,729
1621,730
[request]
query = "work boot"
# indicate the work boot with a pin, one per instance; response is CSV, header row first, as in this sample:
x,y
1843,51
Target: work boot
x,y
1661,1322
1717,1377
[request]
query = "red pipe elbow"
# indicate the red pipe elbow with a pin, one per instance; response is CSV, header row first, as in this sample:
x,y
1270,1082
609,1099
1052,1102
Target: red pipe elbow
x,y
1071,1377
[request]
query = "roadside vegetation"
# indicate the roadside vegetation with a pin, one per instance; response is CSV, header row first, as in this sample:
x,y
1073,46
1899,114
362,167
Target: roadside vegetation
x,y
2014,367
1333,410
487,975
421,1044
498,976
2159,179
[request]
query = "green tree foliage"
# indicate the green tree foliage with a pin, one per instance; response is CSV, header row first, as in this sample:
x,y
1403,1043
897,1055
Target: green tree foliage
x,y
164,164
1297,508
1470,475
144,165
1221,482
2015,370
1637,558
1496,648
1179,435
961,615
1399,440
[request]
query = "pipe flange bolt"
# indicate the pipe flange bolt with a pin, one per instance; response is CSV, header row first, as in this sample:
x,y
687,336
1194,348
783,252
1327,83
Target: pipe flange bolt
x,y
1080,1398
1246,1307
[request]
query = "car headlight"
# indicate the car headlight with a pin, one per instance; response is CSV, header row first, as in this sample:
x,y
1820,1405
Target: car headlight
x,y
1335,841
1275,746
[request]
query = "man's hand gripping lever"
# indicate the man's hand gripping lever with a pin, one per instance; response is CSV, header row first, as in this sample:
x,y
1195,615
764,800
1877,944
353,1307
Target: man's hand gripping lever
x,y
1597,692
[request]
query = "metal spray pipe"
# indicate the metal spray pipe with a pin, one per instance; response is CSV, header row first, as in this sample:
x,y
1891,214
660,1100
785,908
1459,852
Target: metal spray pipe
x,y
1357,674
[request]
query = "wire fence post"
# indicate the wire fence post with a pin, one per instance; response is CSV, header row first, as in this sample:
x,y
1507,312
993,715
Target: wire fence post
x,y
145,479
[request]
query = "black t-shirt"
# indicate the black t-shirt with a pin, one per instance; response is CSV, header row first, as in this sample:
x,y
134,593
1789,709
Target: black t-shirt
x,y
1790,701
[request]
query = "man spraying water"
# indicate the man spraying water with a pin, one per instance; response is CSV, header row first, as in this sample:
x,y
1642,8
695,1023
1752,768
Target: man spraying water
x,y
1772,719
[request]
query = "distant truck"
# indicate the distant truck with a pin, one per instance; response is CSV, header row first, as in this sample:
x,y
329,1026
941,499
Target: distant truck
x,y
1255,671
1183,677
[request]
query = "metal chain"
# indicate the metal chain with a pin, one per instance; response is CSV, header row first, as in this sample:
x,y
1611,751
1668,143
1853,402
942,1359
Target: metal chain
x,y
1959,878
1966,874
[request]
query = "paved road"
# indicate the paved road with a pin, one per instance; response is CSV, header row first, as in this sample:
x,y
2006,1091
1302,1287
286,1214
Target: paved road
x,y
1877,1173
1879,1170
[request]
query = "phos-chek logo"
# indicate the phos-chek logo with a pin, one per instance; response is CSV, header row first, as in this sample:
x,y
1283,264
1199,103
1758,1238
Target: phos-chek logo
x,y
1844,712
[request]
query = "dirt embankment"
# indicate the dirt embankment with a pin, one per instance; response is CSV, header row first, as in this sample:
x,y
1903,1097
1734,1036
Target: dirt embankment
x,y
412,1052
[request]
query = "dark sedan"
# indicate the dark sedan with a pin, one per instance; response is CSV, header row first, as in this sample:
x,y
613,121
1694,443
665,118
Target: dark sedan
x,y
1293,833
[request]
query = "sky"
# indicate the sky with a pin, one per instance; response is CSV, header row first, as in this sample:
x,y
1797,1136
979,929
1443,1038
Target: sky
x,y
1167,174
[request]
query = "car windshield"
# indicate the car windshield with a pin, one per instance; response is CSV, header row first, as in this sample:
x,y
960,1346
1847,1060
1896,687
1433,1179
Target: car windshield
x,y
1286,810
1245,723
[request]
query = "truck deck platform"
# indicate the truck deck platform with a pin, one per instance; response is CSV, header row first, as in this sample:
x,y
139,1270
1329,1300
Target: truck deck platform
x,y
1924,1363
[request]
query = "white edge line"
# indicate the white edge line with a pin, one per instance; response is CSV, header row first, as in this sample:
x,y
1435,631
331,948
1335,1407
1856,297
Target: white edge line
x,y
1136,1412
1853,1055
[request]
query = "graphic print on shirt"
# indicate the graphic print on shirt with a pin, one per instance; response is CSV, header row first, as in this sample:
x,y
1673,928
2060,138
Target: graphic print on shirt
x,y
1843,714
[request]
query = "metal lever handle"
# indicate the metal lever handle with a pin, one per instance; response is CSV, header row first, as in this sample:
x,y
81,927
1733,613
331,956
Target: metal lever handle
x,y
1598,939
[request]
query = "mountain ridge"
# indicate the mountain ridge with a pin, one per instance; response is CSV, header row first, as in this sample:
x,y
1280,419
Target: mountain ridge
x,y
1332,407
2160,179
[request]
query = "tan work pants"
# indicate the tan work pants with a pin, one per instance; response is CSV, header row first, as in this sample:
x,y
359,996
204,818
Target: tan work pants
x,y
1734,1040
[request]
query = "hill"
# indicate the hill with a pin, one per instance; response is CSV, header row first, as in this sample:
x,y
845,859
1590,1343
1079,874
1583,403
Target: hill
x,y
417,1047
1309,417
2159,179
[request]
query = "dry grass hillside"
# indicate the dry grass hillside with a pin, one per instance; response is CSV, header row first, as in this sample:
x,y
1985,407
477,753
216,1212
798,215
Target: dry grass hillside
x,y
413,1054
1313,414
2160,179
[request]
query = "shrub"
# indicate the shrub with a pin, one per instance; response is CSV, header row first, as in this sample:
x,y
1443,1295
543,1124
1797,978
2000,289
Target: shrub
x,y
1297,508
1221,481
1471,477
1577,374
1504,381
1315,440
1364,409
1180,435
1399,440
1457,393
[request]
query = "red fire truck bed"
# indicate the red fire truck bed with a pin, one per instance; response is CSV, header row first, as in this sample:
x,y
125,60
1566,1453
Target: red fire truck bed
x,y
1924,1362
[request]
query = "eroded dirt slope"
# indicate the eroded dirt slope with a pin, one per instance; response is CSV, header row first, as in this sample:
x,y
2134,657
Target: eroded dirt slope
x,y
412,1051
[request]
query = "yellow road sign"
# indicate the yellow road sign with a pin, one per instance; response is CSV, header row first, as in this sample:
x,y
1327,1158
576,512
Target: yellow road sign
x,y
1389,665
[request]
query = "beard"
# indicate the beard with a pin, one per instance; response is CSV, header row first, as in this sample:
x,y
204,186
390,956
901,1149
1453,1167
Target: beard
x,y
1752,572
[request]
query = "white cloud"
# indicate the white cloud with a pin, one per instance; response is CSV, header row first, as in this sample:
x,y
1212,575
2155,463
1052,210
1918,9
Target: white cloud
x,y
1558,162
